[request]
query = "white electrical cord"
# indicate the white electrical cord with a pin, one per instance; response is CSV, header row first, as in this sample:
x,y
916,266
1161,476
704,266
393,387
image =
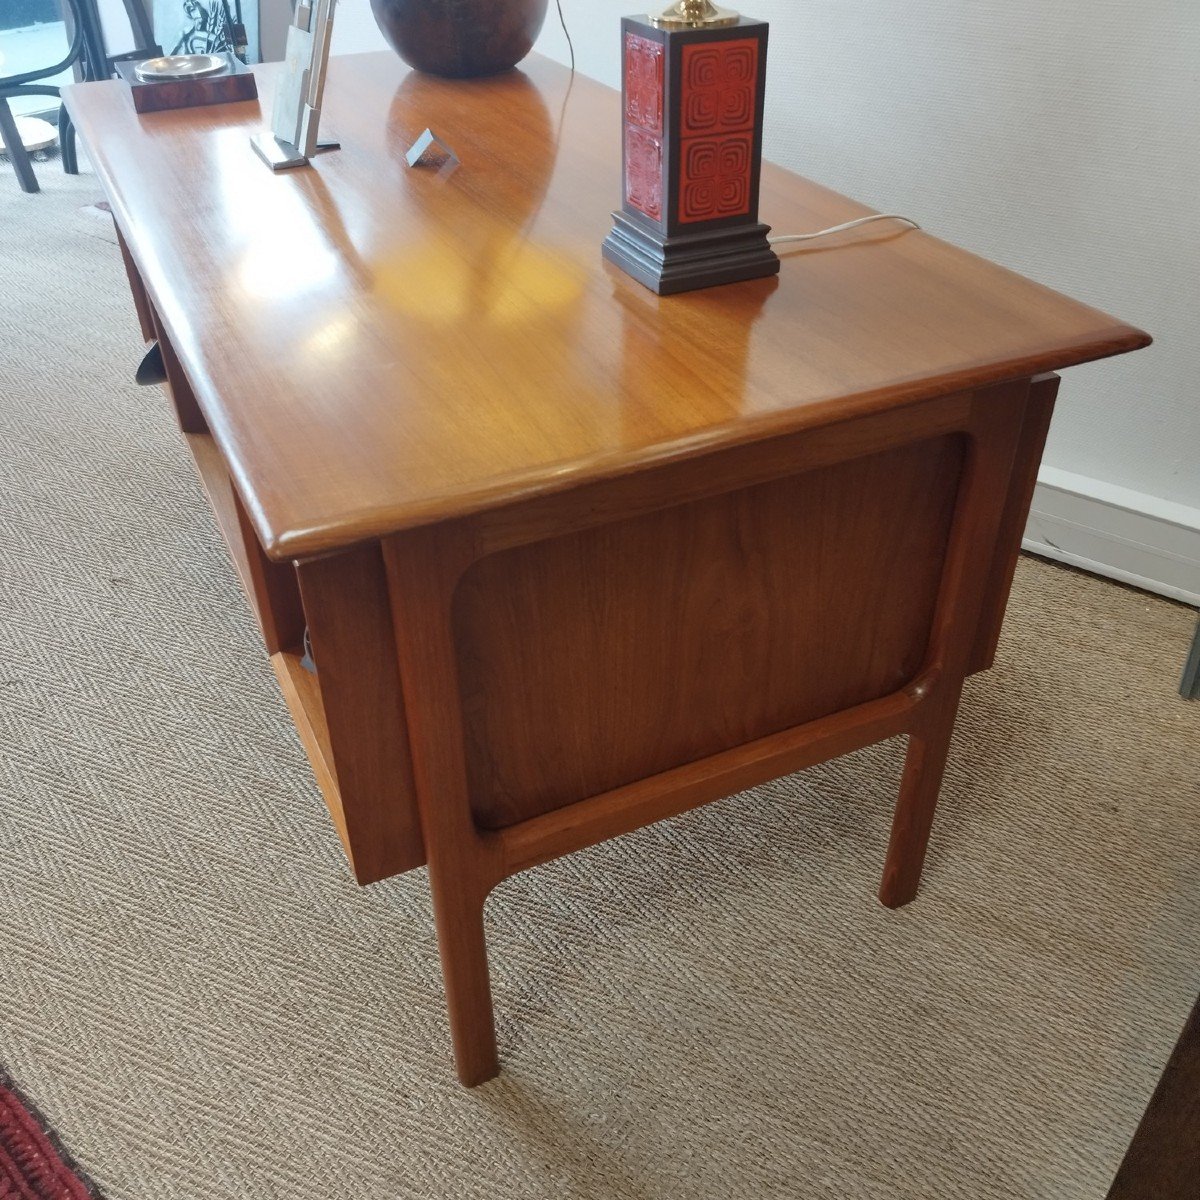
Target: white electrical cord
x,y
808,237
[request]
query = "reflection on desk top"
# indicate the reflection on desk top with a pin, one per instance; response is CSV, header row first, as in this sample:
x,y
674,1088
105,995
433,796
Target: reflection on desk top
x,y
377,347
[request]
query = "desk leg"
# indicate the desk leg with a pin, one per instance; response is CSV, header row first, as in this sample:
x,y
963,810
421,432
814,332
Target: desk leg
x,y
971,583
1039,408
141,301
187,409
924,764
423,567
462,947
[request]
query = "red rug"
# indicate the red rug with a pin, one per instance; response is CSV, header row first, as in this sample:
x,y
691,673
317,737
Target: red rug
x,y
33,1164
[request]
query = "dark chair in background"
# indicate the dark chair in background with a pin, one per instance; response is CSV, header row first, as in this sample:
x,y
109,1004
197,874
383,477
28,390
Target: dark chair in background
x,y
87,49
27,84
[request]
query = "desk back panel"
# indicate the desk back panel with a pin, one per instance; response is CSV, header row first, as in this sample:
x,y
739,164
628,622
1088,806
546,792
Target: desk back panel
x,y
608,655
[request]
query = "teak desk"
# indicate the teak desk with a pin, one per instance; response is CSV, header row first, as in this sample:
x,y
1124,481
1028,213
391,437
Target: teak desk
x,y
575,558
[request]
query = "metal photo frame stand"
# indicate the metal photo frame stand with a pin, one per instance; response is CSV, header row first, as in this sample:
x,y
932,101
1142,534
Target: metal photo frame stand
x,y
296,116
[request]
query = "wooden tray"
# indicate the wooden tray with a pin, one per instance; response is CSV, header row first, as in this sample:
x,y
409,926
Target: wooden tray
x,y
236,84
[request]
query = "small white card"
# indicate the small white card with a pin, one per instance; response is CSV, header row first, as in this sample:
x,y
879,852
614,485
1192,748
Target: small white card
x,y
430,148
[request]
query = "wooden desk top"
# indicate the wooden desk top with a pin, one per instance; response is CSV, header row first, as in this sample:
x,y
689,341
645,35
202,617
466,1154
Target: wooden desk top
x,y
378,348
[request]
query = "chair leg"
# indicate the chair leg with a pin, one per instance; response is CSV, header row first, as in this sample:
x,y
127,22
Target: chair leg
x,y
463,950
17,154
1189,685
924,764
66,141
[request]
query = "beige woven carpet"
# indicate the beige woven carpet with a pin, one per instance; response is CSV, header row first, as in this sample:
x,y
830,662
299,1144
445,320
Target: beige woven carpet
x,y
203,1003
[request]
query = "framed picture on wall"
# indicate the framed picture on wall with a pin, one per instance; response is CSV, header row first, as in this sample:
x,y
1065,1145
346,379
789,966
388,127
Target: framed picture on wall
x,y
207,27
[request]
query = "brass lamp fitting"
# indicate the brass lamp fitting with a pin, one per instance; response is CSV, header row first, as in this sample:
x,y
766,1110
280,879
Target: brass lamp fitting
x,y
694,14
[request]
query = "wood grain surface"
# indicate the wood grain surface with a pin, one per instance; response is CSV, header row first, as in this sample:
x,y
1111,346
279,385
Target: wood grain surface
x,y
376,347
591,661
238,83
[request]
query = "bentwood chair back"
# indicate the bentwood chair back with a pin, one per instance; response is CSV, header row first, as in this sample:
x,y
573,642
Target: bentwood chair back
x,y
87,49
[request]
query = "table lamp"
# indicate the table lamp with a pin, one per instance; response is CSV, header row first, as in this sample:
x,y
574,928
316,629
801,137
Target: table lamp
x,y
692,99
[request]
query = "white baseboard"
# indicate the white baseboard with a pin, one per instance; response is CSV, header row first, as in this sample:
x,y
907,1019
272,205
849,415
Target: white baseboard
x,y
1138,539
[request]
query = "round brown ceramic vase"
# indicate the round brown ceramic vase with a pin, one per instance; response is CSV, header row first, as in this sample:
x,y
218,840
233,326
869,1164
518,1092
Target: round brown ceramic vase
x,y
460,38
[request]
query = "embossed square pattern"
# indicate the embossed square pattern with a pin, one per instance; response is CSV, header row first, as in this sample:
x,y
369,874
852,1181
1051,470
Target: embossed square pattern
x,y
643,171
643,124
718,103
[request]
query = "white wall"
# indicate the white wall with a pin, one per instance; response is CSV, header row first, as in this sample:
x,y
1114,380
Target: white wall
x,y
276,15
115,22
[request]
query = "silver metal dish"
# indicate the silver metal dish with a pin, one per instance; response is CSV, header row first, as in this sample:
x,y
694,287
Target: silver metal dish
x,y
180,66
